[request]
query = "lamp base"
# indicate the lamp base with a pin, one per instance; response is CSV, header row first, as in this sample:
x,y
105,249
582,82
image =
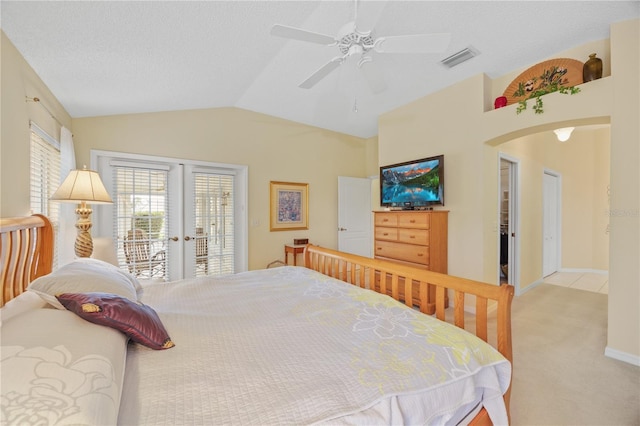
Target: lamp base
x,y
84,243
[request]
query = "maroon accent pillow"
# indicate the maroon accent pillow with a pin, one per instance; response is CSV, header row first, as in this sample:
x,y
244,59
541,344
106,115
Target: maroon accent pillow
x,y
138,321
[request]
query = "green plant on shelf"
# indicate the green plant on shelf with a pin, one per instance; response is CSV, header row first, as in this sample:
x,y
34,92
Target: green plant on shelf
x,y
551,80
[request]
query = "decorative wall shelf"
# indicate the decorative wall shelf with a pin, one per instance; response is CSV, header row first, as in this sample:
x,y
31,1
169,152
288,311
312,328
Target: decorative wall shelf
x,y
565,72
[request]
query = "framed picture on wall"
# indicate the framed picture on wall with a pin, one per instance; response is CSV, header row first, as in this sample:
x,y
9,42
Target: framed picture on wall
x,y
289,206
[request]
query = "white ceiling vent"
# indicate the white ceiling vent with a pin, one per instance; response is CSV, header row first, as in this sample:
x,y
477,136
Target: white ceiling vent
x,y
459,57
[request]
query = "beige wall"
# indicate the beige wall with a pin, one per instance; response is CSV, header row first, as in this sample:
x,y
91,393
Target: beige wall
x,y
17,81
624,254
272,148
459,122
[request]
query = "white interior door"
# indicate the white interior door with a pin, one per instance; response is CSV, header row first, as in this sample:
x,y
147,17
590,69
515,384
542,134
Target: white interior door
x,y
354,215
550,223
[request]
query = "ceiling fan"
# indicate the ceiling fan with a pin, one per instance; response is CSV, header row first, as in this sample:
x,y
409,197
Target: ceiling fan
x,y
356,41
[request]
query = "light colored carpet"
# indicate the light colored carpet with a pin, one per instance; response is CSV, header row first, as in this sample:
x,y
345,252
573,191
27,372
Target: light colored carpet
x,y
561,376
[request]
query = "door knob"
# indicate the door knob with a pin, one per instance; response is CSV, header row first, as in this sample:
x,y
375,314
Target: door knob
x,y
342,229
174,238
187,238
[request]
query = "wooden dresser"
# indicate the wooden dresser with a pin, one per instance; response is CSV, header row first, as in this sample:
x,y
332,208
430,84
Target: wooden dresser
x,y
416,238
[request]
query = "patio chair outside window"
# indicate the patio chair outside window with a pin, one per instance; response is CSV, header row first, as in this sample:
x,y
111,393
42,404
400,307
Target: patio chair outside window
x,y
139,257
202,250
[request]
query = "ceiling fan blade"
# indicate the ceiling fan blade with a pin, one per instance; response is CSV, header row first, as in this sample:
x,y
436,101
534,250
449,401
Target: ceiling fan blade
x,y
368,14
419,43
321,73
374,77
302,35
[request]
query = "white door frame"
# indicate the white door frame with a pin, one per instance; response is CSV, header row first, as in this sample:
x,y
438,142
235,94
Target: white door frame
x,y
514,220
558,219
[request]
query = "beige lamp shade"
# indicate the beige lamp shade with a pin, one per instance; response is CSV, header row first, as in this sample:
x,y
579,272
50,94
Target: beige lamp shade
x,y
82,185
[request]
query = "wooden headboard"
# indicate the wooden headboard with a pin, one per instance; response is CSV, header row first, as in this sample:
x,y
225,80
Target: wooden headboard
x,y
26,252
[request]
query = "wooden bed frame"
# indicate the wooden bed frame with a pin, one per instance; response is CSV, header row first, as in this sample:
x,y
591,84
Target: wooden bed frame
x,y
396,280
26,253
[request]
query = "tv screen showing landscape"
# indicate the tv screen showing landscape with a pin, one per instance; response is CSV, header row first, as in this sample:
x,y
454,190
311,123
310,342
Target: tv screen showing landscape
x,y
411,184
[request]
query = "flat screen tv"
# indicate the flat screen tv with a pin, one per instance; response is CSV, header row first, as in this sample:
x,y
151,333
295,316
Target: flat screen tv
x,y
413,184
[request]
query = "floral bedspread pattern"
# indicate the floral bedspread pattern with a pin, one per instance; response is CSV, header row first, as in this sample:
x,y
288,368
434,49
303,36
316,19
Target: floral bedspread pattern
x,y
58,369
55,387
291,346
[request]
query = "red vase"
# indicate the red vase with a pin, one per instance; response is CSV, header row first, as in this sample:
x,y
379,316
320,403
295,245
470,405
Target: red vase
x,y
501,101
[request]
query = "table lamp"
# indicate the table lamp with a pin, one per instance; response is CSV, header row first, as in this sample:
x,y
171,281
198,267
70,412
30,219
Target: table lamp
x,y
83,186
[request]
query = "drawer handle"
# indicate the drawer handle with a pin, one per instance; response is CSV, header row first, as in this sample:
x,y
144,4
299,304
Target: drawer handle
x,y
385,220
412,236
420,254
385,234
412,221
378,248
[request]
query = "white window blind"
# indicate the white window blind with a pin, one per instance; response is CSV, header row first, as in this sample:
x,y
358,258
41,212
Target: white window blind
x,y
214,224
141,217
45,178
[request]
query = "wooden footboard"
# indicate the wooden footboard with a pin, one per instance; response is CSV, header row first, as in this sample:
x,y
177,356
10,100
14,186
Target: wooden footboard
x,y
396,280
26,253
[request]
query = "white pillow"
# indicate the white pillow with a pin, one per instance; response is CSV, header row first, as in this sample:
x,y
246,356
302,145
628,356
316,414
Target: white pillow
x,y
86,276
69,369
22,303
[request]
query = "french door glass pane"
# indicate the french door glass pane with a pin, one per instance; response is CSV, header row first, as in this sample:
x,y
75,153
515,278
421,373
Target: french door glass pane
x,y
142,220
213,223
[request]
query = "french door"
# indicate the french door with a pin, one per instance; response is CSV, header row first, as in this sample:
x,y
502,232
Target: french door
x,y
209,219
174,219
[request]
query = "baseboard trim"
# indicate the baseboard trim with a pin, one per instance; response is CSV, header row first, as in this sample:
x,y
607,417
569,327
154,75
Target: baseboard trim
x,y
584,270
521,291
622,356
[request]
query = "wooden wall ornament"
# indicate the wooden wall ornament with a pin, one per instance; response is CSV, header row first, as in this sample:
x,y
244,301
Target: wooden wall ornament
x,y
544,77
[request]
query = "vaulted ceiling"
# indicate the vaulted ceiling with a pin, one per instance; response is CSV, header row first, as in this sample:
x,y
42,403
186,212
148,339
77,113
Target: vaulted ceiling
x,y
122,57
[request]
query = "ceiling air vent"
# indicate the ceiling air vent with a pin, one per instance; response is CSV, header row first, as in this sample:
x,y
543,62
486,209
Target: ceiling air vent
x,y
459,57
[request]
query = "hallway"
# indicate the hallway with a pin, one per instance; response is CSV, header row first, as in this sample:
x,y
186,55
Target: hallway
x,y
588,281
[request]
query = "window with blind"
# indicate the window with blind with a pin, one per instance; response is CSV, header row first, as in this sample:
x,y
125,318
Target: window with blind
x,y
214,223
45,178
141,219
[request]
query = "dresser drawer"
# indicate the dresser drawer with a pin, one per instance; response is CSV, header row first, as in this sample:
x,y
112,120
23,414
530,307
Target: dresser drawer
x,y
413,236
386,219
406,252
413,220
389,234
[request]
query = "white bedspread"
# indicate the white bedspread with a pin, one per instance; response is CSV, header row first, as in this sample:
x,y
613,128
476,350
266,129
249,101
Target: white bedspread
x,y
291,346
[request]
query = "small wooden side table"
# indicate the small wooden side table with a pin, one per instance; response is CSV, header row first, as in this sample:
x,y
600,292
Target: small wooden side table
x,y
295,250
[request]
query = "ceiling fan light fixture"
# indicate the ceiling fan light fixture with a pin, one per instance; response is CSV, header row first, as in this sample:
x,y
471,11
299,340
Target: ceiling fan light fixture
x,y
459,57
